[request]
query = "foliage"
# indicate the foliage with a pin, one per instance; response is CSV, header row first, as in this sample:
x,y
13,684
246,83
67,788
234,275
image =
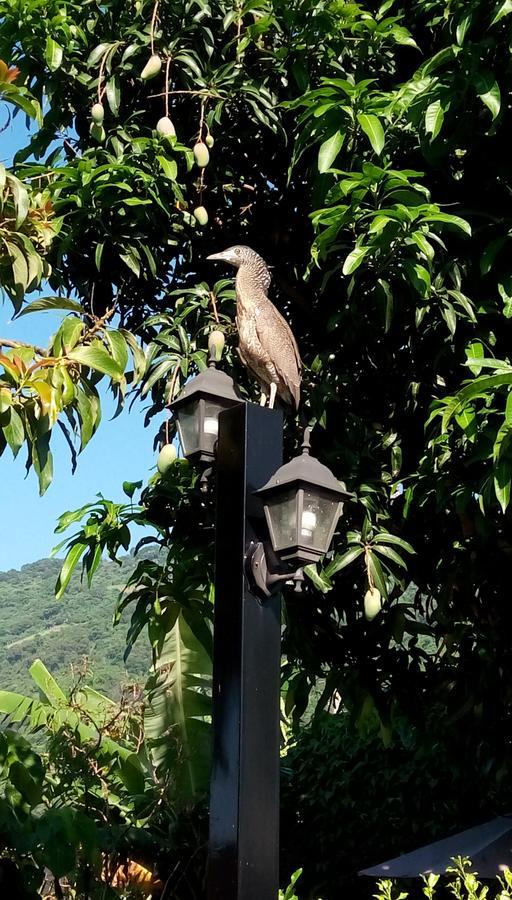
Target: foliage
x,y
71,636
289,893
348,802
93,804
463,884
68,807
40,385
363,149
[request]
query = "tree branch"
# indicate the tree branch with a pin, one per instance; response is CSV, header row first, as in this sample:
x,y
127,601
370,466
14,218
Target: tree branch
x,y
5,342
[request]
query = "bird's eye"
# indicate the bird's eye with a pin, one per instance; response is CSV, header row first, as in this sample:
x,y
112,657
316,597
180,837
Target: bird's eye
x,y
237,251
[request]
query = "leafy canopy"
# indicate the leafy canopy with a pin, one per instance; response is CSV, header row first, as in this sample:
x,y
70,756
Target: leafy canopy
x,y
363,149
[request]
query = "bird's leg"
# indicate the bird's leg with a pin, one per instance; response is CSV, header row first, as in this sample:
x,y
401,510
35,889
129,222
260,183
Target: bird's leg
x,y
273,392
263,398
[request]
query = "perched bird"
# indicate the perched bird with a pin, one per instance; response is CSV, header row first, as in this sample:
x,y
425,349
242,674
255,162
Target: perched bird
x,y
267,346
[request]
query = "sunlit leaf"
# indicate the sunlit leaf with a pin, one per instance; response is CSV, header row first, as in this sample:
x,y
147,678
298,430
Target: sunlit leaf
x,y
329,150
374,131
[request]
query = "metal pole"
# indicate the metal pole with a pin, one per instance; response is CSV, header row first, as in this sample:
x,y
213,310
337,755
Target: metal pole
x,y
243,859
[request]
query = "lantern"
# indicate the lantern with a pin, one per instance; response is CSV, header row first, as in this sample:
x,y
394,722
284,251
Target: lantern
x,y
197,411
303,502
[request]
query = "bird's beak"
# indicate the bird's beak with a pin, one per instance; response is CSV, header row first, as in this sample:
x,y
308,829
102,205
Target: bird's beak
x,y
216,256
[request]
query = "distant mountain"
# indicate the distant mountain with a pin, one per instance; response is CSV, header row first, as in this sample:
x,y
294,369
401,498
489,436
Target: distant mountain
x,y
69,633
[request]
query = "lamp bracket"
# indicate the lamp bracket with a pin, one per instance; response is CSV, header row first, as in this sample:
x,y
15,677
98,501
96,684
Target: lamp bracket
x,y
204,480
266,573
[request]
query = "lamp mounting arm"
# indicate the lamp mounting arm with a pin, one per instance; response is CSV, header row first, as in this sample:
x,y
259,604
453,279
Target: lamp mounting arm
x,y
266,573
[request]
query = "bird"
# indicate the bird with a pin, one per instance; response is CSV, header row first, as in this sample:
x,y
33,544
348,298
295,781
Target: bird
x,y
267,346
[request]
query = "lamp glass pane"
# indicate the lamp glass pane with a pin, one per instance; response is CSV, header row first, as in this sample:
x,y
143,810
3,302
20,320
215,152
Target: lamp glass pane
x,y
319,514
188,427
210,423
282,511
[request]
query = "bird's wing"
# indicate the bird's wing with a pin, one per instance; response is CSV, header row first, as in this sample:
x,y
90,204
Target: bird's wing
x,y
277,339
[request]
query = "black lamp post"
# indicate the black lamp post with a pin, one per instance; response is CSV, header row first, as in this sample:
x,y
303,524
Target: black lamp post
x,y
269,519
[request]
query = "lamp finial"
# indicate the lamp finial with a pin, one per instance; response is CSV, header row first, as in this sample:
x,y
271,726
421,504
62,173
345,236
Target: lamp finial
x,y
306,440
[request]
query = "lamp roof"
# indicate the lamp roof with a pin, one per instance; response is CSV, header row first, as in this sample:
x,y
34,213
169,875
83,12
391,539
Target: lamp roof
x,y
211,383
306,469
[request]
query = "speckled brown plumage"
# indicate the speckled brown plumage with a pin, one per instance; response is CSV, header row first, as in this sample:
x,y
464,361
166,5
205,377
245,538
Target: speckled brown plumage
x,y
267,345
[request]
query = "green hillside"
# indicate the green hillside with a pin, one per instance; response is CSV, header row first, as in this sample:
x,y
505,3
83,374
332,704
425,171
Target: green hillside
x,y
69,633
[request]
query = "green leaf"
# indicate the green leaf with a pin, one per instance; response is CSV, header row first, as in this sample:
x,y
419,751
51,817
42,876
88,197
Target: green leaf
x,y
502,482
21,200
389,553
53,54
139,358
507,301
377,574
489,92
384,537
47,685
68,567
388,294
132,774
169,167
503,9
30,789
434,118
131,261
449,219
329,150
98,253
129,487
118,347
354,260
96,357
177,710
51,303
89,411
477,388
14,431
19,268
69,518
97,53
42,459
113,94
373,130
475,352
419,277
463,28
319,579
448,314
426,248
490,253
344,559
487,363
68,335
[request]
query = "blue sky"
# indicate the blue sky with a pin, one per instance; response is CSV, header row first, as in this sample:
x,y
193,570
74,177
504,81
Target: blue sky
x,y
121,449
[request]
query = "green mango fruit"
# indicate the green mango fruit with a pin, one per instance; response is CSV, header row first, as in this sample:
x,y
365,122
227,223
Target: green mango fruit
x,y
201,214
201,154
97,113
152,67
165,128
216,341
166,458
372,603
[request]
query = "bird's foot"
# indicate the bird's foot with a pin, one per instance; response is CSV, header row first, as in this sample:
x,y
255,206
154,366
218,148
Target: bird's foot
x,y
263,399
273,392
